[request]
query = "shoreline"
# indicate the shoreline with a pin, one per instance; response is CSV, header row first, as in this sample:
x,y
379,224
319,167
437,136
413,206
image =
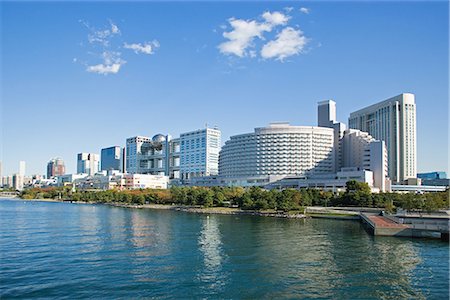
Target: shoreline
x,y
181,208
212,210
208,210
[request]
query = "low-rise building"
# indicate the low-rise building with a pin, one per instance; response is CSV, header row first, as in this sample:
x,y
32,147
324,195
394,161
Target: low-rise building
x,y
145,181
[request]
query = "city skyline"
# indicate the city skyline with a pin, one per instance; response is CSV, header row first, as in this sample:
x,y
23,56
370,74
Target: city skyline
x,y
177,78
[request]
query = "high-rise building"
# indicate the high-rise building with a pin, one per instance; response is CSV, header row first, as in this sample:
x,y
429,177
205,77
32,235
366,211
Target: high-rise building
x,y
159,155
133,153
326,117
360,150
55,167
199,153
17,182
326,113
111,158
393,121
22,168
88,163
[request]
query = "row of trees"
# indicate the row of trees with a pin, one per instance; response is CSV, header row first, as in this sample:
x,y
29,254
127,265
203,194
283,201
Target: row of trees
x,y
253,198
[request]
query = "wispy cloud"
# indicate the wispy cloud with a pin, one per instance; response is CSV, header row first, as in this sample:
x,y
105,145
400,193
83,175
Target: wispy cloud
x,y
243,34
111,64
145,48
102,36
105,44
287,43
305,10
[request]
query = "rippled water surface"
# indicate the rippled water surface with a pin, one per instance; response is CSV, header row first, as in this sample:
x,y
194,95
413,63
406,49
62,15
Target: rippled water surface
x,y
62,250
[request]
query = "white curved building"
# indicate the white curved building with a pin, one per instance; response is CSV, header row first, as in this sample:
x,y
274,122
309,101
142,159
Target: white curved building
x,y
279,149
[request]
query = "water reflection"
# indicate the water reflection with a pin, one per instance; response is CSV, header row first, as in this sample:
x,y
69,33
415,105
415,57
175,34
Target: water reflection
x,y
210,245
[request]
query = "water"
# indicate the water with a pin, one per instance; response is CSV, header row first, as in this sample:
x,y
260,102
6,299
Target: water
x,y
69,251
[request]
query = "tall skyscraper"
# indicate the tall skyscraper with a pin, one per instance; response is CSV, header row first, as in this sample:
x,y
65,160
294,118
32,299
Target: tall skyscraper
x,y
326,113
55,167
111,158
393,121
199,153
88,163
22,168
326,117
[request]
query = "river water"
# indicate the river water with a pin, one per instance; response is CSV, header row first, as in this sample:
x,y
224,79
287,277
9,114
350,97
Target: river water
x,y
70,251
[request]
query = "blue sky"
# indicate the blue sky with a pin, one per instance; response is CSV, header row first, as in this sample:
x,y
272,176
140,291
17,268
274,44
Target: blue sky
x,y
172,69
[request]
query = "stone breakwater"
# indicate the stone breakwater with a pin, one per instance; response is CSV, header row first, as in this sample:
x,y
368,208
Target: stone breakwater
x,y
220,211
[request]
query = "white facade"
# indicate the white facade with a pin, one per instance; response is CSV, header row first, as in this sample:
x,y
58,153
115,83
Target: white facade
x,y
331,182
22,168
360,150
199,153
88,163
18,182
392,121
69,178
279,149
133,151
146,181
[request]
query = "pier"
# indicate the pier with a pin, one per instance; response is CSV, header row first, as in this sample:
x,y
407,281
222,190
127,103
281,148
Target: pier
x,y
427,225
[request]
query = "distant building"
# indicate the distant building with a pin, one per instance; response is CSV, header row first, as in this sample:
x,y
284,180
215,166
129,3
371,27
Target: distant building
x,y
88,163
392,121
7,181
17,182
111,158
22,168
69,178
55,167
199,153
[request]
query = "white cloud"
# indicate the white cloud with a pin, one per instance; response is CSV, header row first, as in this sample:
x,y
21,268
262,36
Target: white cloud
x,y
114,28
242,36
287,43
146,48
275,18
104,69
111,64
244,32
105,45
304,10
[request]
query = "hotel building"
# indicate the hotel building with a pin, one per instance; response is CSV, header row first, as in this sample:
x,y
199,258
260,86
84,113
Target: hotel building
x,y
279,149
394,122
324,156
